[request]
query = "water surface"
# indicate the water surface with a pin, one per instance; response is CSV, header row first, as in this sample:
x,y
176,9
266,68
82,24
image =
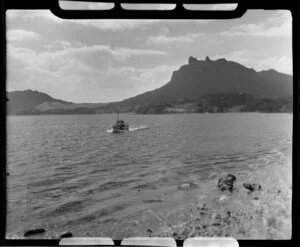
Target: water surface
x,y
67,172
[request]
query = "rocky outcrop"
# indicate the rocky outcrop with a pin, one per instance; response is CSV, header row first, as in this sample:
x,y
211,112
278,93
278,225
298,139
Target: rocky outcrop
x,y
66,235
192,60
251,187
34,232
226,182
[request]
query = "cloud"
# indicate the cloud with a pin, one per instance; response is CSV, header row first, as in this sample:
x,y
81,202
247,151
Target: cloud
x,y
138,80
107,24
29,56
135,80
164,31
239,56
118,53
58,70
282,64
156,76
162,39
58,73
20,55
58,57
20,35
115,25
58,44
62,43
141,72
125,53
279,24
66,61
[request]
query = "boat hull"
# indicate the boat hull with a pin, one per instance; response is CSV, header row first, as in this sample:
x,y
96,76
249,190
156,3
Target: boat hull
x,y
119,130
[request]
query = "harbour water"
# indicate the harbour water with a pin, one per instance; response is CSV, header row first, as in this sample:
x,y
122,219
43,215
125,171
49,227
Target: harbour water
x,y
69,173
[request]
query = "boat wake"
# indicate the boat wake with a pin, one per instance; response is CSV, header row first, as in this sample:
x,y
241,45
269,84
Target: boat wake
x,y
131,129
138,128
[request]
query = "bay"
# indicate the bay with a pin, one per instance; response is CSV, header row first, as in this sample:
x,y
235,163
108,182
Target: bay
x,y
68,172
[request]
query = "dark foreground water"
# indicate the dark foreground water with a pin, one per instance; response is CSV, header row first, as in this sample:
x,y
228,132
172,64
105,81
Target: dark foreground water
x,y
69,173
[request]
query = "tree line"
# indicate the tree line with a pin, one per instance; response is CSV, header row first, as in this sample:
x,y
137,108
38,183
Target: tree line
x,y
223,102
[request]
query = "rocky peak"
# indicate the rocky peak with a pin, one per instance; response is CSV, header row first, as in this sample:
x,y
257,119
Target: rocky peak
x,y
192,60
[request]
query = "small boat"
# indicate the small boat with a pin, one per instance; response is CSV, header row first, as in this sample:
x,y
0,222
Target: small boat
x,y
120,126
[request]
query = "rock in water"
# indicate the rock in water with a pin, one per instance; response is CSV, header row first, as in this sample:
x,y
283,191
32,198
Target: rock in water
x,y
252,187
34,231
226,182
66,235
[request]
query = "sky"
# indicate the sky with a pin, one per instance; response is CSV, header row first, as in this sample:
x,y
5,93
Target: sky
x,y
111,60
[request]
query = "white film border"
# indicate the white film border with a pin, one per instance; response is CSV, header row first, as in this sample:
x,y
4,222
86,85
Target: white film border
x,y
152,241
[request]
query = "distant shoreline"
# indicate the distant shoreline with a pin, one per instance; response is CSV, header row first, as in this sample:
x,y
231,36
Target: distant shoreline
x,y
36,103
133,113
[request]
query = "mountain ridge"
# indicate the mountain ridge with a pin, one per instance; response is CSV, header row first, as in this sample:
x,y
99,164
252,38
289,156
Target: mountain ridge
x,y
199,77
192,80
28,102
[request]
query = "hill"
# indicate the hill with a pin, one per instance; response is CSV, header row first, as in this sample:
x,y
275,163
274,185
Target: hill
x,y
200,77
23,100
30,102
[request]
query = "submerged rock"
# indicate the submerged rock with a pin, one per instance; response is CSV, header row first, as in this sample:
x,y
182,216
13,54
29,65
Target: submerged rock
x,y
252,187
66,235
226,182
34,232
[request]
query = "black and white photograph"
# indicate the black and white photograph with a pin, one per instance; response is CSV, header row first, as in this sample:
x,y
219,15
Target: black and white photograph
x,y
149,127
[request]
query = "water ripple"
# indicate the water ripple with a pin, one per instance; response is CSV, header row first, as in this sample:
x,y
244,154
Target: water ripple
x,y
67,171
